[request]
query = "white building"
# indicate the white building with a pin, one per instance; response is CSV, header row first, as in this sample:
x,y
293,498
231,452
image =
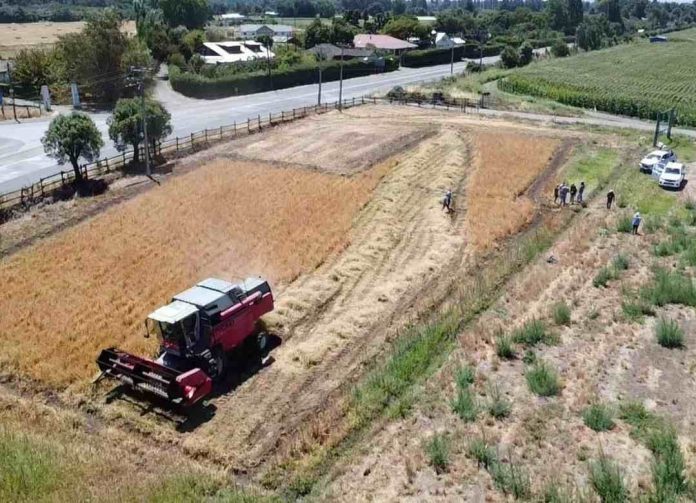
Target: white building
x,y
231,19
249,31
234,52
444,41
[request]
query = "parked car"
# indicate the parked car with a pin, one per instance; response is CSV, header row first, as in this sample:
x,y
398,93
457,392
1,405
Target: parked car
x,y
656,157
672,176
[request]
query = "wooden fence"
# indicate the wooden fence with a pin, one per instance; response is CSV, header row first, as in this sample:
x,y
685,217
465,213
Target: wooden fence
x,y
46,186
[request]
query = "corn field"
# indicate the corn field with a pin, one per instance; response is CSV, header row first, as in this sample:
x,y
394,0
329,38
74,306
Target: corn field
x,y
639,80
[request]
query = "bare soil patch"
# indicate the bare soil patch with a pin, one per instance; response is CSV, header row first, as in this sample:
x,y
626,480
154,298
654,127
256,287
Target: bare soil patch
x,y
333,142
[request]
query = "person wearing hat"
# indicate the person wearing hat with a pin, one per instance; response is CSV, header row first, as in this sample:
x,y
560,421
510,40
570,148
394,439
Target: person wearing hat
x,y
636,222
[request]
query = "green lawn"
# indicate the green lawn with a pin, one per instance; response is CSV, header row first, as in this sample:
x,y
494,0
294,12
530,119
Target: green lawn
x,y
592,167
637,79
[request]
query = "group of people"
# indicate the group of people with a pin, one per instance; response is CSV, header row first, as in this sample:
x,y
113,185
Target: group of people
x,y
563,190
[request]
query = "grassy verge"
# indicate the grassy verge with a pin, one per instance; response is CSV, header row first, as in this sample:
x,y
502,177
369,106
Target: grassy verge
x,y
387,391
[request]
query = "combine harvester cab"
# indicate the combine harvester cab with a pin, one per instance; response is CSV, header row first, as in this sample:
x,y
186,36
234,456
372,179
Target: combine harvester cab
x,y
196,331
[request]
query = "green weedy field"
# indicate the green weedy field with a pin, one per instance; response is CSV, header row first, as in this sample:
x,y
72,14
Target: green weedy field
x,y
639,79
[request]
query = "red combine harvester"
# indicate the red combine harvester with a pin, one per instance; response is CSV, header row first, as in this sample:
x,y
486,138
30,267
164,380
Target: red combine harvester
x,y
196,331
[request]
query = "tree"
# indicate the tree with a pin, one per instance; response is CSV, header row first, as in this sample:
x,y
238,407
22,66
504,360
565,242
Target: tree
x,y
398,7
341,32
404,27
560,49
612,9
189,13
70,137
93,57
317,33
125,124
558,14
589,35
509,57
575,13
34,68
526,54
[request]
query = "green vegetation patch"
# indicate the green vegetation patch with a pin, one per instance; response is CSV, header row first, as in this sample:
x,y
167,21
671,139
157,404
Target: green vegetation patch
x,y
592,166
543,380
607,480
438,452
598,417
532,333
669,334
670,287
640,89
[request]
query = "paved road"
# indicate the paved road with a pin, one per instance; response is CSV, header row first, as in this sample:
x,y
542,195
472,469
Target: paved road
x,y
22,160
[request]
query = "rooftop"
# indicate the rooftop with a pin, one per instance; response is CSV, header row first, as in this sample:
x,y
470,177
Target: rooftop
x,y
381,42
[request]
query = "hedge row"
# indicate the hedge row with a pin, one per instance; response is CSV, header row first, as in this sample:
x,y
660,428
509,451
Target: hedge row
x,y
197,86
471,50
430,57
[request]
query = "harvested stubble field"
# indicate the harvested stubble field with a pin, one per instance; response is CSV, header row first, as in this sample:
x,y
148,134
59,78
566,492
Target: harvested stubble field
x,y
15,37
357,248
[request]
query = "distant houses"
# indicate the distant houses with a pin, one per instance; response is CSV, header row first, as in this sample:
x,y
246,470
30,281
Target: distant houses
x,y
234,52
384,43
251,31
230,19
444,41
330,52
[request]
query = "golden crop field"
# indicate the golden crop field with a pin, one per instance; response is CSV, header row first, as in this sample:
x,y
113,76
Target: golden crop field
x,y
93,285
505,165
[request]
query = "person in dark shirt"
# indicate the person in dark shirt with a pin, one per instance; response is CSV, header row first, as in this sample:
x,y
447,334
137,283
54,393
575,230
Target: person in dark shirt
x,y
610,198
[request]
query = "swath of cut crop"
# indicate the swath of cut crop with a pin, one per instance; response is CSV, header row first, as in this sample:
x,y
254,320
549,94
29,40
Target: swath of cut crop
x,y
505,164
93,285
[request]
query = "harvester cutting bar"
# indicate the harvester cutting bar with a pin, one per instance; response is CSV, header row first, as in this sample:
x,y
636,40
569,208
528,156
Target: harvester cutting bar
x,y
182,388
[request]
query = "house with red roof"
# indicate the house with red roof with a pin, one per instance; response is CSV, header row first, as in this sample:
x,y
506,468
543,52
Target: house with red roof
x,y
382,43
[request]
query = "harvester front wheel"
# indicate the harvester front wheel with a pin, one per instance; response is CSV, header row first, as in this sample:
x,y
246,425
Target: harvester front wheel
x,y
217,365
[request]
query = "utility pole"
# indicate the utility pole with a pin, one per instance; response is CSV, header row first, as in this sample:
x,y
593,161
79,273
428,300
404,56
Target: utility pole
x,y
340,84
14,104
140,72
452,61
319,96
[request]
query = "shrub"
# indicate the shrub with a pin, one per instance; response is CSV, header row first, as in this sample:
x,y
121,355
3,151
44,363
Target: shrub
x,y
604,276
669,334
529,357
607,480
199,86
511,479
526,54
498,406
543,380
668,468
509,57
532,333
483,453
625,223
652,224
465,405
670,288
177,60
620,262
465,376
636,310
561,313
430,57
438,452
598,417
504,348
560,49
396,93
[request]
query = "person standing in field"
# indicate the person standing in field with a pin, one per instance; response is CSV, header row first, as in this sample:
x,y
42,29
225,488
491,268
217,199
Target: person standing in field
x,y
556,193
581,191
610,198
447,201
573,191
564,194
636,223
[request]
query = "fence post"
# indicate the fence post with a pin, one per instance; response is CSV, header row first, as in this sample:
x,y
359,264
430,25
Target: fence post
x,y
206,135
248,126
191,141
41,186
107,164
62,178
221,132
293,114
177,144
270,119
235,128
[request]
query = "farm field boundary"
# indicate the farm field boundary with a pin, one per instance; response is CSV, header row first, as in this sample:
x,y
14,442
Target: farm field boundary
x,y
52,184
653,78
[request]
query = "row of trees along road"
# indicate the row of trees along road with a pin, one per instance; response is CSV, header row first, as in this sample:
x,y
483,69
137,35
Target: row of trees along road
x,y
74,136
